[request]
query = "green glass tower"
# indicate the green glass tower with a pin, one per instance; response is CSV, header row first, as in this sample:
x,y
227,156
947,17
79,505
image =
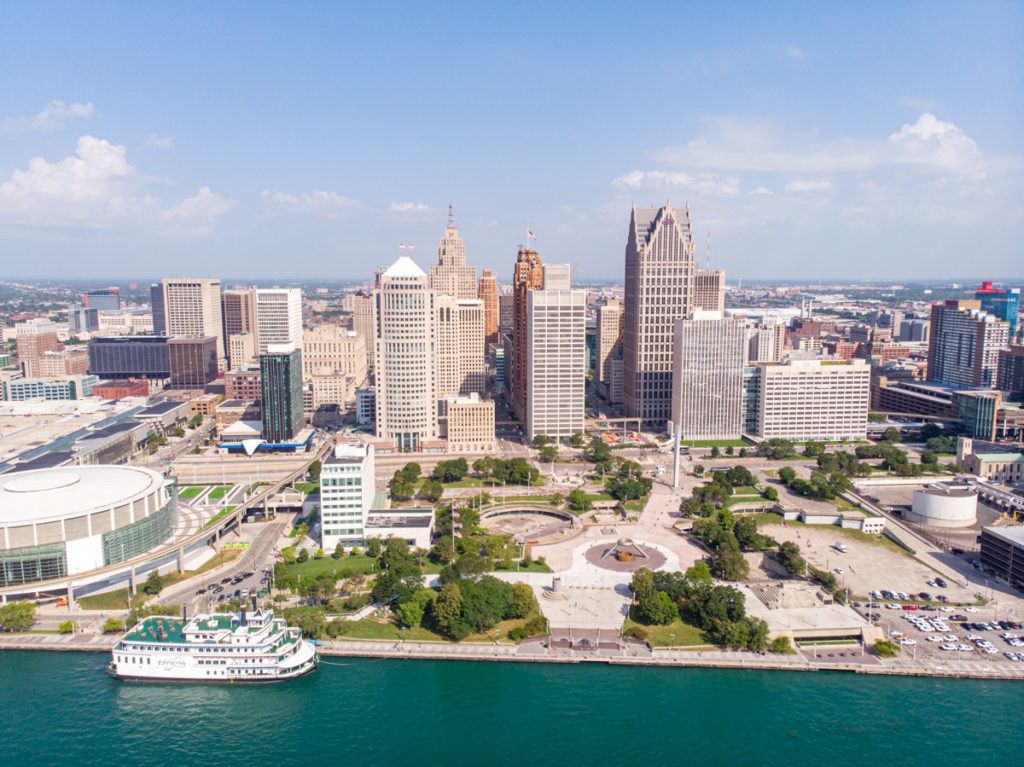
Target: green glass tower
x,y
281,390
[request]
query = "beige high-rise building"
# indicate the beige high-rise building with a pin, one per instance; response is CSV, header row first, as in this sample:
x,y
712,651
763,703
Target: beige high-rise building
x,y
609,349
363,323
278,317
70,361
239,316
192,309
32,340
556,356
766,342
488,293
811,399
459,329
506,307
331,349
528,275
451,276
406,398
470,424
709,290
242,349
707,376
333,389
663,285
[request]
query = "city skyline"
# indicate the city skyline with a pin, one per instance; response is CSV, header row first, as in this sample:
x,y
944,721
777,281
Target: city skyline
x,y
797,147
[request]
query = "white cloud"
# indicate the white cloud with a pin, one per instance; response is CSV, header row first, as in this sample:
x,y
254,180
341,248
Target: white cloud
x,y
409,207
699,184
761,190
319,204
155,141
204,206
809,186
53,117
935,143
796,53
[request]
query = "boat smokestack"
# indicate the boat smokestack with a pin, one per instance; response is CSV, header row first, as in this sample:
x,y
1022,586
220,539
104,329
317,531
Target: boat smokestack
x,y
253,598
184,613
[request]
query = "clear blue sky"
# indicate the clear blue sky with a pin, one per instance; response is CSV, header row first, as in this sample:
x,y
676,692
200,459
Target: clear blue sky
x,y
302,140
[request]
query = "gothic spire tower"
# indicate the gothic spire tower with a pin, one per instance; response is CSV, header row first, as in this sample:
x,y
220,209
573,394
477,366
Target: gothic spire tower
x,y
451,276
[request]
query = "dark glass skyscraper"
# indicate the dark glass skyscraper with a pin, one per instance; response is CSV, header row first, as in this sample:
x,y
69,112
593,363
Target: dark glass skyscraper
x,y
121,357
1004,304
281,390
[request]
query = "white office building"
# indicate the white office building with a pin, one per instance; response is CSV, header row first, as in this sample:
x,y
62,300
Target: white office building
x,y
346,495
192,308
278,317
556,356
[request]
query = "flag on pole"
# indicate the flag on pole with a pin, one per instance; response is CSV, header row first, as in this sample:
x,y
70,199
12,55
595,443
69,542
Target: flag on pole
x,y
531,234
406,246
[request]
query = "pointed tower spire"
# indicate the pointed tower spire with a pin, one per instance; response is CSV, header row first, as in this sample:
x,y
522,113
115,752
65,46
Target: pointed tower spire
x,y
451,217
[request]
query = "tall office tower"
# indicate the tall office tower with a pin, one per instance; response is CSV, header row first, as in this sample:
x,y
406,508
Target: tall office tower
x,y
528,275
238,308
965,343
33,339
242,349
331,349
811,399
451,276
103,299
346,495
663,284
461,367
488,293
1010,377
193,361
281,392
363,322
192,309
766,342
158,309
82,319
609,349
405,356
709,290
707,376
556,352
1004,304
506,305
278,317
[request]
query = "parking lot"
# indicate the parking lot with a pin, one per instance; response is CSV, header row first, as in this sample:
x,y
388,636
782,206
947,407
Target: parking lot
x,y
962,633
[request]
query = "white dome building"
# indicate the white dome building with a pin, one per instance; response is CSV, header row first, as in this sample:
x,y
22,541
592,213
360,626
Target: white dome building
x,y
67,520
944,504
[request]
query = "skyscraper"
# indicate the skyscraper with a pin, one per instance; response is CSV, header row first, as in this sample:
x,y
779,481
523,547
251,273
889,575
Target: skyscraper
x,y
460,365
363,323
556,364
965,343
1004,304
406,397
192,308
238,308
451,276
278,317
528,275
663,285
707,376
766,342
157,308
488,293
103,299
192,361
281,392
609,349
32,340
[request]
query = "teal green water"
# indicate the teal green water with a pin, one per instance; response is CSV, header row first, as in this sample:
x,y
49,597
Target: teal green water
x,y
61,708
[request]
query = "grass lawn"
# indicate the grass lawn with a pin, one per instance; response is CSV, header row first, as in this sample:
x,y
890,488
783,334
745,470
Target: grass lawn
x,y
714,443
538,498
675,634
342,568
219,514
109,600
307,487
533,568
599,497
637,505
371,628
746,490
189,492
736,500
219,492
470,482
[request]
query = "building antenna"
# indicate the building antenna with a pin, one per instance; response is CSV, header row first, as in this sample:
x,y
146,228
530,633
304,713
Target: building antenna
x,y
451,217
707,254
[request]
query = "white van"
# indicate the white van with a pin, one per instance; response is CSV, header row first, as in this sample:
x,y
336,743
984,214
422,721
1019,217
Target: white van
x,y
839,546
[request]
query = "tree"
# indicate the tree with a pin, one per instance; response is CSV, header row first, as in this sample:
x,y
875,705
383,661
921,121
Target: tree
x,y
311,621
339,550
450,471
556,499
929,431
318,554
314,470
743,452
578,501
715,452
523,600
303,556
729,564
928,457
886,649
577,440
698,470
787,475
540,441
776,449
411,472
153,584
699,573
432,490
770,494
813,449
484,467
739,476
790,558
729,450
411,612
781,646
891,434
471,565
374,547
547,454
19,616
66,627
112,625
401,490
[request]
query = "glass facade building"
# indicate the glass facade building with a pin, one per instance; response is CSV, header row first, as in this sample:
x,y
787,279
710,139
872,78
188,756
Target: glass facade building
x,y
281,390
130,357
